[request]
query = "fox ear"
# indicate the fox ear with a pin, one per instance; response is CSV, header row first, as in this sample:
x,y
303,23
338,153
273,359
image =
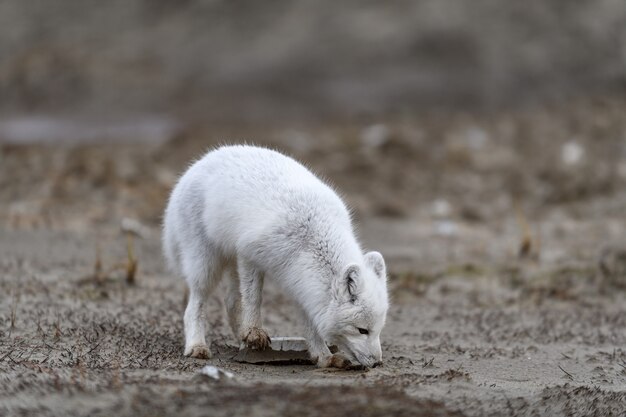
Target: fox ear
x,y
348,285
375,261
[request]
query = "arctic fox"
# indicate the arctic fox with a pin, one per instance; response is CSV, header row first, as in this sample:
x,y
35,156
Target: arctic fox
x,y
247,213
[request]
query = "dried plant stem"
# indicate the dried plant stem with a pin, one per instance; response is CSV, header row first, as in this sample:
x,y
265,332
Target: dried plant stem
x,y
131,265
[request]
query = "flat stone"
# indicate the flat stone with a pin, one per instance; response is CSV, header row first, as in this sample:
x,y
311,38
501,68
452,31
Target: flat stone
x,y
282,350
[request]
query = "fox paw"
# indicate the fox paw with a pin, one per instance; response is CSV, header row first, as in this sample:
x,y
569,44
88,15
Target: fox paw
x,y
257,339
339,361
198,352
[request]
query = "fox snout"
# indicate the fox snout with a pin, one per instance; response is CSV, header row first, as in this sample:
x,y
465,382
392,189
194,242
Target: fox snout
x,y
369,358
370,361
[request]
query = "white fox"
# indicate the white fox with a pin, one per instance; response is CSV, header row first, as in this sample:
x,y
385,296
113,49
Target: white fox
x,y
248,212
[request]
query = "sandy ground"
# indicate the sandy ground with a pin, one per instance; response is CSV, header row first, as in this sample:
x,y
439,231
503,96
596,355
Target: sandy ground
x,y
503,235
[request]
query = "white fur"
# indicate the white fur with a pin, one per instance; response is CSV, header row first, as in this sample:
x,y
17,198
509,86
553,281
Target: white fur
x,y
249,212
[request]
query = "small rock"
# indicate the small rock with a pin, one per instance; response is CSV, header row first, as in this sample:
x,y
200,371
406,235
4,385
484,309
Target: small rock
x,y
572,153
215,373
375,136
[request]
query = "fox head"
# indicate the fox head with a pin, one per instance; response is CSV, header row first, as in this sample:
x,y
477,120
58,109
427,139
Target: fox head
x,y
358,310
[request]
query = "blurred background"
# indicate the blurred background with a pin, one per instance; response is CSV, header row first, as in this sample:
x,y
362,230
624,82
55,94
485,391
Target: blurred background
x,y
236,61
460,117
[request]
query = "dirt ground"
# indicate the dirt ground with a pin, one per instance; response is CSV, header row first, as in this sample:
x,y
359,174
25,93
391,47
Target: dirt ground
x,y
503,234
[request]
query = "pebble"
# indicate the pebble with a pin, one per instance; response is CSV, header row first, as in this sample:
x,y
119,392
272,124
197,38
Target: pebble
x,y
215,373
572,153
375,136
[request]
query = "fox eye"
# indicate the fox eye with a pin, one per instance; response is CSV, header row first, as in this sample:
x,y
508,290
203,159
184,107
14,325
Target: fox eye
x,y
363,331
